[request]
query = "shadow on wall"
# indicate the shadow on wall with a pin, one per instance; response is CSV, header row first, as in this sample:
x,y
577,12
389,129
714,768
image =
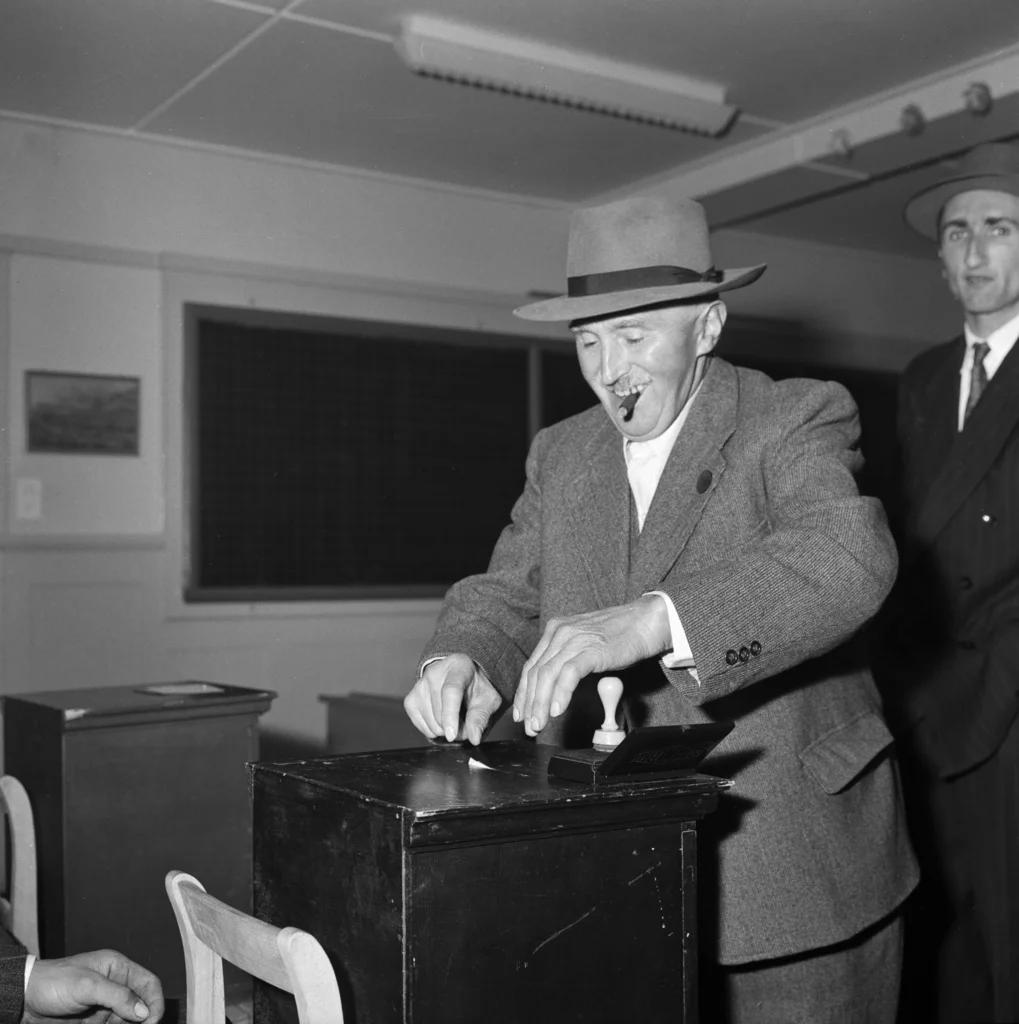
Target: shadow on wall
x,y
279,745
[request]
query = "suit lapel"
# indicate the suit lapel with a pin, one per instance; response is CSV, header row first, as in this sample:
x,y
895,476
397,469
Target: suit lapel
x,y
690,477
974,450
599,513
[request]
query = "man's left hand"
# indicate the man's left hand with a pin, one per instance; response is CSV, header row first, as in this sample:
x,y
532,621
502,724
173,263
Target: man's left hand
x,y
102,987
572,648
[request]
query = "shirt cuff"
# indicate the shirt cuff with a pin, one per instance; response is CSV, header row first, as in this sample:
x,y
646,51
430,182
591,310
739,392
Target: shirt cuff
x,y
29,964
680,656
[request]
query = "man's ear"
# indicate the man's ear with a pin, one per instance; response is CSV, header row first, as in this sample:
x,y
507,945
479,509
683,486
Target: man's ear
x,y
710,322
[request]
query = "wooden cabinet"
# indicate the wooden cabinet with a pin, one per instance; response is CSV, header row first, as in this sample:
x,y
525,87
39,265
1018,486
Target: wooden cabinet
x,y
446,892
125,784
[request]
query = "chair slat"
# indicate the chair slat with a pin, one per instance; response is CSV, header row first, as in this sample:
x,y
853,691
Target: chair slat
x,y
20,913
288,958
237,937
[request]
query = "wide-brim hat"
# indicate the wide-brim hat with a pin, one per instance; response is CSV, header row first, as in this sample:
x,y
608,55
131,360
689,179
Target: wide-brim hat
x,y
993,166
637,252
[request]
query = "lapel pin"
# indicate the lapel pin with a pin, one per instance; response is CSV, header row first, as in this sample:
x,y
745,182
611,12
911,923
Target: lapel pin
x,y
704,481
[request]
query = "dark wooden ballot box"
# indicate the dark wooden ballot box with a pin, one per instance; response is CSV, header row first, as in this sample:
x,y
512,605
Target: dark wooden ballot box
x,y
446,892
125,784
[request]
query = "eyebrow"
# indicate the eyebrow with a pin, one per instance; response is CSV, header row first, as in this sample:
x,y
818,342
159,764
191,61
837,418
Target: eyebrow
x,y
622,325
991,221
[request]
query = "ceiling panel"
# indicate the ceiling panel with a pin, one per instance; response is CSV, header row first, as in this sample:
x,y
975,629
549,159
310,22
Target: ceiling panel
x,y
322,82
109,62
861,217
780,59
867,214
329,96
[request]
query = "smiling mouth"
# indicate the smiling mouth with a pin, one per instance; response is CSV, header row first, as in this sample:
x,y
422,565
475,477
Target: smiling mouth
x,y
628,398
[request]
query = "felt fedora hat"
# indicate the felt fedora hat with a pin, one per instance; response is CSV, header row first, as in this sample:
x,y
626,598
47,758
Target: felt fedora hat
x,y
637,252
993,166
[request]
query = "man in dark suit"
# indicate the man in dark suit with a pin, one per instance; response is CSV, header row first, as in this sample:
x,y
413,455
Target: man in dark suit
x,y
953,656
102,987
701,535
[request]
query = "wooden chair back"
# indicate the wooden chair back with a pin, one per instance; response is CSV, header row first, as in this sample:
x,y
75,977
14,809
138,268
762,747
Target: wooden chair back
x,y
288,958
19,910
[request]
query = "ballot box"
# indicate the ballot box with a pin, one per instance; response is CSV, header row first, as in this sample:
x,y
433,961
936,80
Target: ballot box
x,y
462,884
126,783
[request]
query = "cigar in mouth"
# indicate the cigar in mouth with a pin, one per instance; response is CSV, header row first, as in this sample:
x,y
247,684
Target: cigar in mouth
x,y
627,405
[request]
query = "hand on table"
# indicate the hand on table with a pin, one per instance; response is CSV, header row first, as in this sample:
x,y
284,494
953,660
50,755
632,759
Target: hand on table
x,y
102,987
570,649
446,686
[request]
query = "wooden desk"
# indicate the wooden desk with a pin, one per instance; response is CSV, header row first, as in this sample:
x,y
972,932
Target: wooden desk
x,y
446,893
125,785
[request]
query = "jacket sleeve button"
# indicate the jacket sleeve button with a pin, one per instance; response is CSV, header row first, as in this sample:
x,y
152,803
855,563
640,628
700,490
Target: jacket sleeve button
x,y
731,657
755,648
744,654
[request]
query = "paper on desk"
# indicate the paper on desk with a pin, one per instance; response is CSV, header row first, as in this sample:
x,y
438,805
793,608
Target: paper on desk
x,y
474,763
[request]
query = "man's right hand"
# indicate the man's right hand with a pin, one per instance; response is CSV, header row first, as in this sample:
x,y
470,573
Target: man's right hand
x,y
446,686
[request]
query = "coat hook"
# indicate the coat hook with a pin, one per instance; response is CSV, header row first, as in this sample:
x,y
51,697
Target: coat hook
x,y
977,98
841,143
912,120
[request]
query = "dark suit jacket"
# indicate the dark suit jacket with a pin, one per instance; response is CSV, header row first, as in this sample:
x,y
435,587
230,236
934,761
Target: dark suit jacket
x,y
954,658
758,534
12,984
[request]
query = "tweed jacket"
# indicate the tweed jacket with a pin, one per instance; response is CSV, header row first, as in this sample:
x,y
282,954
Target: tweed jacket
x,y
773,560
954,654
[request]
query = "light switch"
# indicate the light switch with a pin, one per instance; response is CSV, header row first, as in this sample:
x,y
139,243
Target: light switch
x,y
28,498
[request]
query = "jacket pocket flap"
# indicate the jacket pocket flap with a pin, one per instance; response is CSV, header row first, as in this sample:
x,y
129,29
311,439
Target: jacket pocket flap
x,y
839,756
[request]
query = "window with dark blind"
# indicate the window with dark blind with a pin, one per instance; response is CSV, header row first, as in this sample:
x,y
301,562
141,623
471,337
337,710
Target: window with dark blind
x,y
333,459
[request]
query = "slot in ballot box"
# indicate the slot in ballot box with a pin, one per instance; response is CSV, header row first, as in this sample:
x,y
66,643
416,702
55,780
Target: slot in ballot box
x,y
462,884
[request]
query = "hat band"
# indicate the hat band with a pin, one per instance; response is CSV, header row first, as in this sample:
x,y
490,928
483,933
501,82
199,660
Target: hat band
x,y
638,277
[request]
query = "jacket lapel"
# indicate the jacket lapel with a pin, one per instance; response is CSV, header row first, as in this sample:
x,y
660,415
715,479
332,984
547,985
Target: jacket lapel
x,y
599,514
690,477
936,419
973,451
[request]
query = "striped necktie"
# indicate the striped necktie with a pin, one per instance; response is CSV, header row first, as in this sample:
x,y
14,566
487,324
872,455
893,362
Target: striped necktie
x,y
977,377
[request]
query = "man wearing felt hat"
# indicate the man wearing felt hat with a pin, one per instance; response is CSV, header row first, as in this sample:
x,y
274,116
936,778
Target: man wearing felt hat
x,y
953,656
701,536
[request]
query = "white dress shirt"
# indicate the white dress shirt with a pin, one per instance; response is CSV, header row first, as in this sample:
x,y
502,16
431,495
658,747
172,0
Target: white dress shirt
x,y
645,463
1000,343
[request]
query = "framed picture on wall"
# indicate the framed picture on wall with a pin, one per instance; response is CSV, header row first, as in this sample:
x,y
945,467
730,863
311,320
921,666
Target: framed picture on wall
x,y
82,413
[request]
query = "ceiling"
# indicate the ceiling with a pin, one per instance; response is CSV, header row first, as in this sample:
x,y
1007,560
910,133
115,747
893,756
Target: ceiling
x,y
320,81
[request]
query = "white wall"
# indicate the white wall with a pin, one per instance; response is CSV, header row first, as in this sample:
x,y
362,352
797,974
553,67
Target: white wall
x,y
102,240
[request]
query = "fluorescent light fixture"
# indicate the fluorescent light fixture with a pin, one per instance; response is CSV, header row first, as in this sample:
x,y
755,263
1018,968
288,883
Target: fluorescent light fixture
x,y
447,49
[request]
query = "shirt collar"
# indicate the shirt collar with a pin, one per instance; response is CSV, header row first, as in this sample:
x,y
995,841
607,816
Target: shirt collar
x,y
1003,338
